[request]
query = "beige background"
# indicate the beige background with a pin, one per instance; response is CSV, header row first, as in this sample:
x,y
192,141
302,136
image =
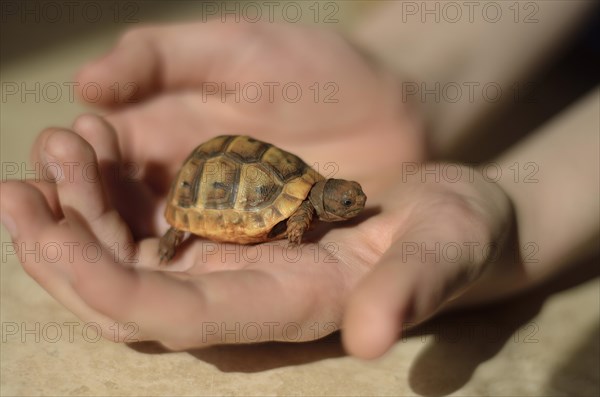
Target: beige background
x,y
542,343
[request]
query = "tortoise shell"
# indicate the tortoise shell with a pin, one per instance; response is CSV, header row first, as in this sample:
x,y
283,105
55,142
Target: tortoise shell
x,y
238,189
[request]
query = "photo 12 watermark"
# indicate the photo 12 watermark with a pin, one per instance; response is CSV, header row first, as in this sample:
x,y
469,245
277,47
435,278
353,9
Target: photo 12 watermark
x,y
69,12
468,332
253,332
270,91
450,92
325,252
452,12
270,11
466,252
66,91
517,172
69,172
90,252
68,331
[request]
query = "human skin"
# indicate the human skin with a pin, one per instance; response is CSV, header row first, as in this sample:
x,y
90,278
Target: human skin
x,y
557,206
470,50
168,119
556,212
370,286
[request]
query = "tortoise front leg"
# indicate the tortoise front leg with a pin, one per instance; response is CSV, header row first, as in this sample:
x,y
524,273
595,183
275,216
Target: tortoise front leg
x,y
299,222
168,243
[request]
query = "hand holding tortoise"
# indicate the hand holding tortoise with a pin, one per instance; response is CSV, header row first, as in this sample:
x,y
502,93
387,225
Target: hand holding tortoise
x,y
366,134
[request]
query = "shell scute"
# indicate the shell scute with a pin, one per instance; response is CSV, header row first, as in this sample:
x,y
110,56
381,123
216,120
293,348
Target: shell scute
x,y
238,189
286,165
218,183
215,146
257,187
247,150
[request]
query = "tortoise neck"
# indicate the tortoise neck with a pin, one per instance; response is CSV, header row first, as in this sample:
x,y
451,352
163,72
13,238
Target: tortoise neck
x,y
316,198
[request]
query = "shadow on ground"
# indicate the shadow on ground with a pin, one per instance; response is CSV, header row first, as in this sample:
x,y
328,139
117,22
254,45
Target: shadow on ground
x,y
459,342
578,375
258,357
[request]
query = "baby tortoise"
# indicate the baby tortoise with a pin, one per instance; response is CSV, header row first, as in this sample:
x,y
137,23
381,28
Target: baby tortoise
x,y
238,189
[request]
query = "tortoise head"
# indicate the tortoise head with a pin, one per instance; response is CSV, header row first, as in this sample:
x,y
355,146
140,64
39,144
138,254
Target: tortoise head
x,y
337,199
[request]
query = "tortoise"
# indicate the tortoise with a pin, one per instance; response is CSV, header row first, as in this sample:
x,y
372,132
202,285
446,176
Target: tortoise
x,y
237,189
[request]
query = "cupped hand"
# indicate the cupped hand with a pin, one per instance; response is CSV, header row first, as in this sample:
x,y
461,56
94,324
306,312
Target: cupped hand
x,y
361,273
307,90
108,223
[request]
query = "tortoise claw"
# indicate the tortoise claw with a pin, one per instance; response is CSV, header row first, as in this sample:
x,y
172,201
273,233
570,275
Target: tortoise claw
x,y
294,235
165,254
167,245
165,257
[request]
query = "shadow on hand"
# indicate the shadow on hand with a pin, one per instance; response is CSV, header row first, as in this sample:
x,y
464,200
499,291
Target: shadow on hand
x,y
133,197
322,228
460,342
249,358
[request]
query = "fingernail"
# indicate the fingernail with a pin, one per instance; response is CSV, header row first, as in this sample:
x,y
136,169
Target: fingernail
x,y
9,224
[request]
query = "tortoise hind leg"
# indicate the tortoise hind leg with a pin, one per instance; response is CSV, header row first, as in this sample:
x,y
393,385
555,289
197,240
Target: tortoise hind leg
x,y
299,222
168,244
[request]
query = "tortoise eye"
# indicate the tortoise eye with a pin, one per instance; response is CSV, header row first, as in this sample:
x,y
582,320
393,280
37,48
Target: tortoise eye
x,y
347,202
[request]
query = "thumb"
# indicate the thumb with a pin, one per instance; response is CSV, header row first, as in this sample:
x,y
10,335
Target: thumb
x,y
409,284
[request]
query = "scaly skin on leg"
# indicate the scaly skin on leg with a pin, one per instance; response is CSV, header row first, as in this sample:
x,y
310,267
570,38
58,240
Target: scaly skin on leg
x,y
168,244
299,223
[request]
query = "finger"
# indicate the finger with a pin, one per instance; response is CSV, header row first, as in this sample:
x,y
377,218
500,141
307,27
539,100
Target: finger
x,y
80,190
30,221
131,198
155,58
156,303
377,308
401,290
292,301
48,190
100,135
25,210
37,156
45,247
44,181
103,140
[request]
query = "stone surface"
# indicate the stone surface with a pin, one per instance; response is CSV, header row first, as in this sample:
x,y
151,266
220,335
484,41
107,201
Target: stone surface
x,y
538,344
